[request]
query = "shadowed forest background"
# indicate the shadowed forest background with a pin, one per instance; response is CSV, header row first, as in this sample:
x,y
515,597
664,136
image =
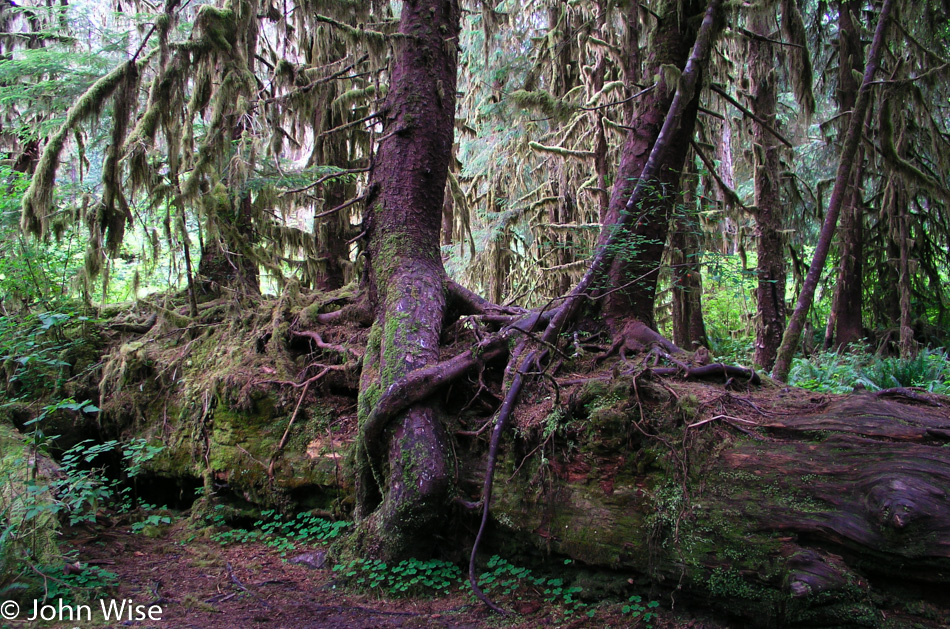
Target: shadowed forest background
x,y
673,273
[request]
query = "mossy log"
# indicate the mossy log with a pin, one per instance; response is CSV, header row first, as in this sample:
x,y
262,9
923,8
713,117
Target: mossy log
x,y
832,518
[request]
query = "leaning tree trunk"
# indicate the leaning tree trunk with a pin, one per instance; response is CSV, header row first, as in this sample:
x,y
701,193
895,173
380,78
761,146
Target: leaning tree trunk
x,y
635,268
793,333
404,474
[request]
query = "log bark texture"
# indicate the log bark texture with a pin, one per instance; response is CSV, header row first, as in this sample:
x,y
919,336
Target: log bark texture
x,y
806,518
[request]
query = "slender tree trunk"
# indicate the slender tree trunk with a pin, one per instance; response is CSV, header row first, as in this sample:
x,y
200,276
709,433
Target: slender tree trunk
x,y
907,332
793,333
634,271
770,265
404,483
846,322
689,329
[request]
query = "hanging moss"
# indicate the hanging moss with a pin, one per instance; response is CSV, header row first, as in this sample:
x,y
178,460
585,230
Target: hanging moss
x,y
342,102
37,200
793,26
543,102
218,27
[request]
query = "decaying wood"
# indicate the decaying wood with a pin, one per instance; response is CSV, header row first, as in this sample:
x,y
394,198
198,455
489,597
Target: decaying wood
x,y
800,518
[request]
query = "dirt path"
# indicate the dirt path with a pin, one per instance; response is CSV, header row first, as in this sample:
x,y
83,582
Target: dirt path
x,y
199,584
202,585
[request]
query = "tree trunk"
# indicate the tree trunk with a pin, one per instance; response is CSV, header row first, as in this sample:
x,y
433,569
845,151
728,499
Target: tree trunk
x,y
846,317
225,261
689,329
770,265
404,482
793,333
634,271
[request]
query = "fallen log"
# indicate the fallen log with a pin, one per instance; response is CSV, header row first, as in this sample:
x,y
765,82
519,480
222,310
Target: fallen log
x,y
836,515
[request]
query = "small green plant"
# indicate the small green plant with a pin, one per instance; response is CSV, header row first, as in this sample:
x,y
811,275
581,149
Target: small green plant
x,y
275,531
505,579
640,614
410,577
151,520
89,583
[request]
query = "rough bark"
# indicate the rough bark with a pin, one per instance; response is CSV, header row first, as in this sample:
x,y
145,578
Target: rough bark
x,y
689,329
846,323
800,518
770,247
404,481
634,269
793,332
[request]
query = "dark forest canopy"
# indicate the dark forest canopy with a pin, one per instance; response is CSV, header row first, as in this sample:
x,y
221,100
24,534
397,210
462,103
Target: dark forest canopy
x,y
691,186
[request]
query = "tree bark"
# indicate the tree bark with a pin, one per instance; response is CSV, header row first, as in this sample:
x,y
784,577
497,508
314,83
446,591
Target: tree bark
x,y
846,322
793,332
689,329
757,519
634,269
404,481
770,265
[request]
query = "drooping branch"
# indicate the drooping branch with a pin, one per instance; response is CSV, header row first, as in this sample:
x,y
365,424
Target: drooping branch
x,y
38,197
745,110
793,332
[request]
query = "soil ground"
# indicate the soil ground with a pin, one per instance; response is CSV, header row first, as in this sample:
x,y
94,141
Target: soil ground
x,y
200,584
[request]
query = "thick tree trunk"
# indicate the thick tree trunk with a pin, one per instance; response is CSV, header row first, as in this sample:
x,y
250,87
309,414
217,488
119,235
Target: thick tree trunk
x,y
770,265
404,477
635,268
225,263
793,333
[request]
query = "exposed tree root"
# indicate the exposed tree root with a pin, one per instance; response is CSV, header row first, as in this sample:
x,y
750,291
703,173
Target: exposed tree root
x,y
710,372
600,264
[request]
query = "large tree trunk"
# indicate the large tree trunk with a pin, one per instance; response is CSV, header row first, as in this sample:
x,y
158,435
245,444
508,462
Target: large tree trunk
x,y
770,265
404,479
634,271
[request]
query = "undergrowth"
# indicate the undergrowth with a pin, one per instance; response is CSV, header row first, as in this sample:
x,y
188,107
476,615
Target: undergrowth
x,y
413,577
835,372
276,531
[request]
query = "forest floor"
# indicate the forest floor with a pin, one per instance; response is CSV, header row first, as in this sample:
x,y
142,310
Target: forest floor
x,y
201,584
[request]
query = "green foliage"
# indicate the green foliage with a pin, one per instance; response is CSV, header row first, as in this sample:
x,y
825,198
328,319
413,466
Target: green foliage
x,y
640,614
32,504
410,577
504,578
277,532
834,372
31,271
